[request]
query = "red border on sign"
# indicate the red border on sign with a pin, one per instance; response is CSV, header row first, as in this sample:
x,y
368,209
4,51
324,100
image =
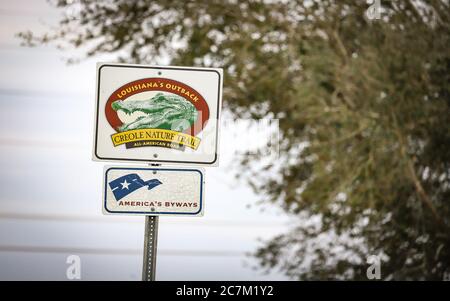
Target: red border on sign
x,y
158,84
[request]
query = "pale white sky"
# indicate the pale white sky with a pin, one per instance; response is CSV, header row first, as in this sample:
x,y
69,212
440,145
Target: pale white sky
x,y
50,206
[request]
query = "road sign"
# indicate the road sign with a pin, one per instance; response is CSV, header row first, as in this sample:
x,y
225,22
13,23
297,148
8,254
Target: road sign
x,y
153,191
157,114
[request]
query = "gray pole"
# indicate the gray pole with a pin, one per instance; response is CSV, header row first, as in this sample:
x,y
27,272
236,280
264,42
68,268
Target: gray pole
x,y
150,242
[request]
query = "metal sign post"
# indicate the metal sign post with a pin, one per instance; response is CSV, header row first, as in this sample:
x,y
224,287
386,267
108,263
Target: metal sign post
x,y
150,248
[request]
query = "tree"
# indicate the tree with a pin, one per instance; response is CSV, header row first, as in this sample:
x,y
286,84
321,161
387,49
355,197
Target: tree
x,y
363,105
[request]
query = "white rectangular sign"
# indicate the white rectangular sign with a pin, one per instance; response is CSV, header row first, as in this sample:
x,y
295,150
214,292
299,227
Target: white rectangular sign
x,y
157,114
153,191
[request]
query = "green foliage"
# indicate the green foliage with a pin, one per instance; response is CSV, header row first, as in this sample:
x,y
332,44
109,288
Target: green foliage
x,y
364,109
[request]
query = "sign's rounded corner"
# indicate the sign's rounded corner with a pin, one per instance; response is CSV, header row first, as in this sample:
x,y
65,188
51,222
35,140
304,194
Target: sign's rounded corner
x,y
106,211
101,65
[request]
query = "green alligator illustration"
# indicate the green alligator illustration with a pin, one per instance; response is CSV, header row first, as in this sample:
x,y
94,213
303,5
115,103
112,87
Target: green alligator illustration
x,y
164,111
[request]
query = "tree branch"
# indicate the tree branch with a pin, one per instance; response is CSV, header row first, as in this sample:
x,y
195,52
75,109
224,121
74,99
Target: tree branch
x,y
423,196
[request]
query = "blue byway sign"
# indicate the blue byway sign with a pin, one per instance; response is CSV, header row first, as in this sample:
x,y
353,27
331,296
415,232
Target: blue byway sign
x,y
153,191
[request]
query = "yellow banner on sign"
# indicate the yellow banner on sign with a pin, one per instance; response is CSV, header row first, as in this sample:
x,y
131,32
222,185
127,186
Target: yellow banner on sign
x,y
155,135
